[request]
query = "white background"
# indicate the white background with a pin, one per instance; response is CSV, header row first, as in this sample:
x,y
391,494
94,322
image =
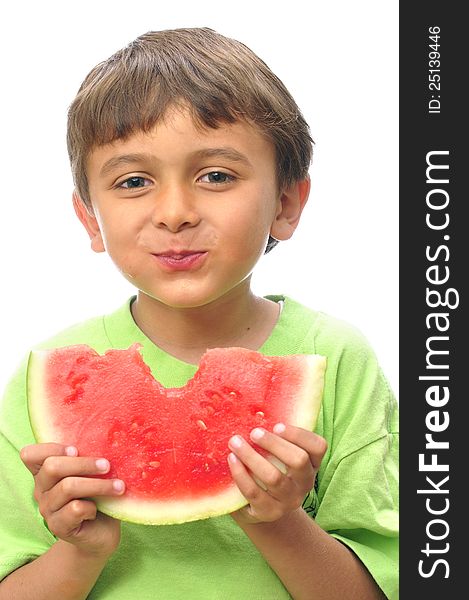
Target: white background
x,y
339,60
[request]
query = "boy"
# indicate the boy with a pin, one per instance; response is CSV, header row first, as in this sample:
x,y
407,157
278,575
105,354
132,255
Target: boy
x,y
189,158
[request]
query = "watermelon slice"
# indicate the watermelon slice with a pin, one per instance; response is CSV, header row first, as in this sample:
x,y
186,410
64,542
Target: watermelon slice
x,y
169,445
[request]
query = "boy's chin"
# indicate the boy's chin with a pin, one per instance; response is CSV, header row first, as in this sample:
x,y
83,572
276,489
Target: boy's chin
x,y
185,300
188,297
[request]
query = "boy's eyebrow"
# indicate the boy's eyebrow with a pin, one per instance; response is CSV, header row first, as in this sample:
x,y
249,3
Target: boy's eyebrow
x,y
123,159
223,152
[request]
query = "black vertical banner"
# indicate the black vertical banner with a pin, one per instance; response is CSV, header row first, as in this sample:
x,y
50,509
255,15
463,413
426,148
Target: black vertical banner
x,y
434,265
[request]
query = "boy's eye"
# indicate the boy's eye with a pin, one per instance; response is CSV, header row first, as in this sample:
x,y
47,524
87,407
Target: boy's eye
x,y
216,177
134,182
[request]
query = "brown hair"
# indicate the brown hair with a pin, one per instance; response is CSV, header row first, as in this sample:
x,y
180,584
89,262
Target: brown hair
x,y
218,78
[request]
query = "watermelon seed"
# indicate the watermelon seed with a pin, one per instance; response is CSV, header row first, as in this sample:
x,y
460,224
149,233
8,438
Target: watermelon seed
x,y
115,437
201,424
231,392
227,405
260,413
144,475
72,397
74,379
154,463
211,458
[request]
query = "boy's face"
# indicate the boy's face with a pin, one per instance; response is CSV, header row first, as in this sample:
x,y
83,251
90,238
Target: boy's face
x,y
185,214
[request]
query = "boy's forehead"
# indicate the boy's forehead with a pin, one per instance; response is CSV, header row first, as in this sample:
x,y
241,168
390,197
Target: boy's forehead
x,y
178,131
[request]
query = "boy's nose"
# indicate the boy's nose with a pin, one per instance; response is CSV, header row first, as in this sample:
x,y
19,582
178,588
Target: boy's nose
x,y
174,210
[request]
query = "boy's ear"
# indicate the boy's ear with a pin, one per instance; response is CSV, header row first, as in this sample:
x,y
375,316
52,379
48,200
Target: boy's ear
x,y
291,204
89,222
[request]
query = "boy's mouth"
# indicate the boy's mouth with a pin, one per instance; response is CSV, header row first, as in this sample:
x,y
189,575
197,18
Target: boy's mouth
x,y
180,260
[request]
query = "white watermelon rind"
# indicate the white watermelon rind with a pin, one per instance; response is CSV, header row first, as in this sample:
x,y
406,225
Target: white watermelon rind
x,y
172,512
308,402
154,512
37,397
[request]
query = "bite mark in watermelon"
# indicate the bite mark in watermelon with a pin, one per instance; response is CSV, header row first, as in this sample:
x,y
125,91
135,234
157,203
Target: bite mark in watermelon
x,y
169,445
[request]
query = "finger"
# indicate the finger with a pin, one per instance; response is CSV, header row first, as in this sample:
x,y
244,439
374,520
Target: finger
x,y
313,444
295,461
34,455
72,488
261,504
269,476
68,521
55,468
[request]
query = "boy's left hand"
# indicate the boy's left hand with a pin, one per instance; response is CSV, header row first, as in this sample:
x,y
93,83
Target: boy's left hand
x,y
299,450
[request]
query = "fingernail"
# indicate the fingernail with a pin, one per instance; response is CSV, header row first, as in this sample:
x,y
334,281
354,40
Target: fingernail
x,y
102,464
232,457
118,485
257,433
71,451
235,442
279,428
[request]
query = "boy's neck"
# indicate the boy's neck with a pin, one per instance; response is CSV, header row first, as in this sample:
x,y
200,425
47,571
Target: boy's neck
x,y
240,319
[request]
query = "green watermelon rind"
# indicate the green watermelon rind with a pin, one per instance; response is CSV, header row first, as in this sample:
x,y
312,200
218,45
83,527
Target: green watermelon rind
x,y
154,512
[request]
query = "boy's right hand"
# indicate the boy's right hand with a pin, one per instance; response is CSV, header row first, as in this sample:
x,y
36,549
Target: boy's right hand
x,y
62,490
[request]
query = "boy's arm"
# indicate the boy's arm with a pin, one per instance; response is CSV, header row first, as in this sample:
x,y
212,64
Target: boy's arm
x,y
309,561
64,572
87,538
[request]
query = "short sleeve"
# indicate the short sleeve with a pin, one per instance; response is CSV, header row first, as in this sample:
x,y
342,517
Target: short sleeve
x,y
360,508
357,493
23,534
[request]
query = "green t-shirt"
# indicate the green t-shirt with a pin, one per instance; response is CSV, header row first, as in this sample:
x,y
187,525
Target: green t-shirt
x,y
355,499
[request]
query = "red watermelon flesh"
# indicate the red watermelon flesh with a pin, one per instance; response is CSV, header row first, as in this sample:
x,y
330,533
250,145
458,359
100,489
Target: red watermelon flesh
x,y
169,445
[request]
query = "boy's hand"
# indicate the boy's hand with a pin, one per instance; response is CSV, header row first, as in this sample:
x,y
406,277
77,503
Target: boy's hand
x,y
300,453
62,489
